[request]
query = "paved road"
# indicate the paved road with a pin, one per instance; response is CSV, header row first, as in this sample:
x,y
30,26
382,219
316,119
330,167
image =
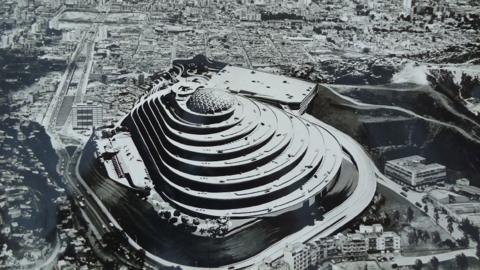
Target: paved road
x,y
64,111
243,48
417,88
77,187
87,68
333,220
274,46
62,89
92,213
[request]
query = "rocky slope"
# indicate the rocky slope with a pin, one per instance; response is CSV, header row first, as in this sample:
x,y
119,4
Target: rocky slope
x,y
389,134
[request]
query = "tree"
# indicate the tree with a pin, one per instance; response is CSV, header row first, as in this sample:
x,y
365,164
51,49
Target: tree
x,y
436,237
467,84
424,199
418,264
449,243
184,219
409,214
463,242
450,227
462,261
436,217
470,229
114,239
443,81
396,215
412,238
435,263
478,251
140,256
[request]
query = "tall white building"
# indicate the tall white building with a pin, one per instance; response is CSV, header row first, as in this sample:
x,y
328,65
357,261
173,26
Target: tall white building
x,y
379,241
296,256
87,115
5,41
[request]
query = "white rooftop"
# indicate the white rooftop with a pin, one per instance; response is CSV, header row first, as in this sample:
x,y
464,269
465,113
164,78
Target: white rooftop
x,y
260,84
127,160
415,163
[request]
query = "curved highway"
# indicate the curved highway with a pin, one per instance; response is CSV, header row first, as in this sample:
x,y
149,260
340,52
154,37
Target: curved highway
x,y
333,220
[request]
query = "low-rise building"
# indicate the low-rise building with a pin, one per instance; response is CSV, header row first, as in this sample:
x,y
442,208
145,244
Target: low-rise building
x,y
379,241
462,182
463,187
368,239
329,247
441,197
414,171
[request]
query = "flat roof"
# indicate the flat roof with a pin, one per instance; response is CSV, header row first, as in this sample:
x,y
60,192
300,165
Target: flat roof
x,y
283,89
127,157
415,164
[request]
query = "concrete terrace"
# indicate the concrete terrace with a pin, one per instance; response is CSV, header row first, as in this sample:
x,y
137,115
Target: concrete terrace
x,y
250,160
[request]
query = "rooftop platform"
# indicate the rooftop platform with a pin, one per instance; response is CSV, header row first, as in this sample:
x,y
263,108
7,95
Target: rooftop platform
x,y
415,164
123,162
263,85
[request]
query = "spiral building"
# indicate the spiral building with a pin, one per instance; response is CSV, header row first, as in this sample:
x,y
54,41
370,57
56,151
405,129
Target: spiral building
x,y
226,155
214,153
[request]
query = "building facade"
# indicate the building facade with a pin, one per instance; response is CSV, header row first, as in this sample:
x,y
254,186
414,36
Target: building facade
x,y
296,256
414,171
87,115
355,245
368,239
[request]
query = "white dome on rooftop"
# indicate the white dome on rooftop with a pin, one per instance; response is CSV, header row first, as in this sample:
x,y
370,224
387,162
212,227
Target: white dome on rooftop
x,y
206,101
